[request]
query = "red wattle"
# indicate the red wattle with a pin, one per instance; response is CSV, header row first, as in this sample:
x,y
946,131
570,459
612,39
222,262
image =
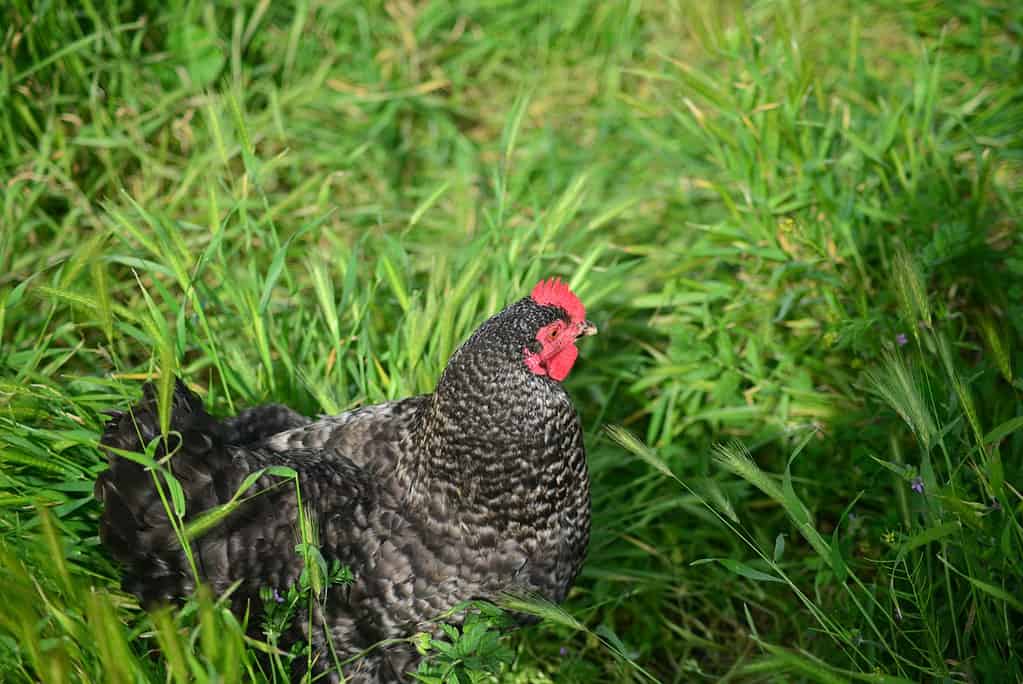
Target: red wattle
x,y
561,363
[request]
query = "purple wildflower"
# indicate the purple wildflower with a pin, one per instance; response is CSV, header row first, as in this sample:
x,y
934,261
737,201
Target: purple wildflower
x,y
277,596
563,651
901,339
917,485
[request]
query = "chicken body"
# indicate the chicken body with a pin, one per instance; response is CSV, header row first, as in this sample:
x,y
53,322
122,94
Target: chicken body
x,y
475,490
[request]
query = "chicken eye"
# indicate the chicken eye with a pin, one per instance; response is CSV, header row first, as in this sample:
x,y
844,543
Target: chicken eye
x,y
554,333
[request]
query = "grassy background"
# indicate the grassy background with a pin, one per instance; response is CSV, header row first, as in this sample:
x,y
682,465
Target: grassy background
x,y
796,225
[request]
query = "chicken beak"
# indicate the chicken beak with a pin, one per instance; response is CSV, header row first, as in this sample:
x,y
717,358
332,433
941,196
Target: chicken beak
x,y
586,329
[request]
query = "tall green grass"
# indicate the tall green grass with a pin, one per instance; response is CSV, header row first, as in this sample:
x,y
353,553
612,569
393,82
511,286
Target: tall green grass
x,y
795,224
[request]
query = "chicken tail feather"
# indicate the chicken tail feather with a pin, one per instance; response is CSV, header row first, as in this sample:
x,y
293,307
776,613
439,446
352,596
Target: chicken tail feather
x,y
135,526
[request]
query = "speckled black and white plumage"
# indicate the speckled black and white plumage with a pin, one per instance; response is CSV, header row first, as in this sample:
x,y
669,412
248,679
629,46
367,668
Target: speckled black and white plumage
x,y
478,489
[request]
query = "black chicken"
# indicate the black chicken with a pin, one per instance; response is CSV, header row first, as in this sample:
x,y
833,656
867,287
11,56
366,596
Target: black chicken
x,y
474,491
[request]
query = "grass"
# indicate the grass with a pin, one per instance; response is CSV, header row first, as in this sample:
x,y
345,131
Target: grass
x,y
795,224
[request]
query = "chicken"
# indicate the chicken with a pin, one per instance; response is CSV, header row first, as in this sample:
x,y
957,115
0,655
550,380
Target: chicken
x,y
474,491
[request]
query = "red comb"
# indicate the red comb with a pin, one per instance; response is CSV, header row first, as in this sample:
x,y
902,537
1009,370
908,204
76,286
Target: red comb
x,y
553,292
